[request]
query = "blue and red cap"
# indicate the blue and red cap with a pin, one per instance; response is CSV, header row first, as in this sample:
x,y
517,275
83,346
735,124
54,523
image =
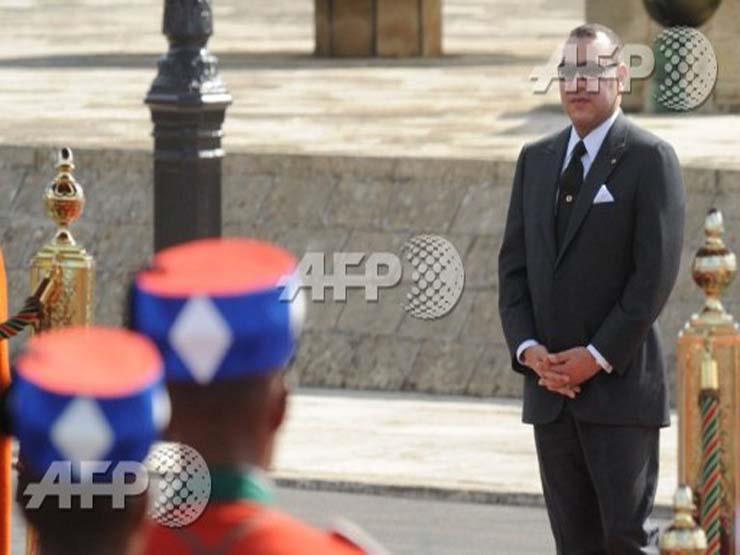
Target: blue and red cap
x,y
216,309
88,394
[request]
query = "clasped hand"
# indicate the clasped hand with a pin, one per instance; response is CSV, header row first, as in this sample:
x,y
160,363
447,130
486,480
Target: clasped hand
x,y
563,372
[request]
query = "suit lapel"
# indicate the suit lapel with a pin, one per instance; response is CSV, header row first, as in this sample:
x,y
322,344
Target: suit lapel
x,y
606,160
555,154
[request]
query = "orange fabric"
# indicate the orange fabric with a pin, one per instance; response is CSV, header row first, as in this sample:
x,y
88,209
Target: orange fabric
x,y
5,446
94,362
217,267
274,533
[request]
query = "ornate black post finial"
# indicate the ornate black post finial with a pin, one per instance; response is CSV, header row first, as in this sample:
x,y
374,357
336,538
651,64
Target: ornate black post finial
x,y
188,22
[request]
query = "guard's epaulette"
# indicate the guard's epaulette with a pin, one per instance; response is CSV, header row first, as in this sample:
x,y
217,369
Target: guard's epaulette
x,y
351,533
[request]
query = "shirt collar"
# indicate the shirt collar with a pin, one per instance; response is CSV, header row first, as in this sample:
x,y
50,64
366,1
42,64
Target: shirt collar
x,y
595,139
247,484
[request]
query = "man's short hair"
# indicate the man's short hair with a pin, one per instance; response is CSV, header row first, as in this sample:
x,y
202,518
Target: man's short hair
x,y
592,30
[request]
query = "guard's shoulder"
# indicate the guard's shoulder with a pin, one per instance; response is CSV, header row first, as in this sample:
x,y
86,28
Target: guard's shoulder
x,y
280,534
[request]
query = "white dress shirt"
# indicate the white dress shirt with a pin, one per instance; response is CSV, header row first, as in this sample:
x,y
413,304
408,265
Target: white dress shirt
x,y
592,142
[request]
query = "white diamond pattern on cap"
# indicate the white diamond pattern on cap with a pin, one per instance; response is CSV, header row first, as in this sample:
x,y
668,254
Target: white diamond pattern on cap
x,y
201,337
82,432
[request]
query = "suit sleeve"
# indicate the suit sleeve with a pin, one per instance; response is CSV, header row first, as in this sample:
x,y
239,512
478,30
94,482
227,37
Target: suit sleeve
x,y
657,243
514,301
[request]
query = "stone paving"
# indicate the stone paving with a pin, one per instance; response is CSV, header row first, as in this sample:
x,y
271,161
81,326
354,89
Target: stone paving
x,y
76,71
451,447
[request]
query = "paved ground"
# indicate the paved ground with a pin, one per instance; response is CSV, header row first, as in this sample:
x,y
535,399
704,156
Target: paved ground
x,y
445,447
75,72
414,527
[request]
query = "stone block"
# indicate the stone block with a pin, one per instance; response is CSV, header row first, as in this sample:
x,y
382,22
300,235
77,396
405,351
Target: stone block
x,y
352,25
366,28
376,241
322,22
367,317
28,198
399,28
322,316
120,247
423,207
493,376
243,196
443,366
24,235
729,183
118,185
481,263
323,359
111,294
483,209
359,204
245,228
10,185
700,180
483,323
296,201
382,362
301,240
431,27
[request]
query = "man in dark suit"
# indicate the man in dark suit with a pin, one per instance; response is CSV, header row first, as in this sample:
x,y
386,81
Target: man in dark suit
x,y
590,254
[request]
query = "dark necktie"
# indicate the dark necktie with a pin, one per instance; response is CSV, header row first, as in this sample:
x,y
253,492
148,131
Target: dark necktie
x,y
569,187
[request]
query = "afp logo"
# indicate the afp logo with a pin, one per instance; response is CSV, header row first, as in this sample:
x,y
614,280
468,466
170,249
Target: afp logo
x,y
437,276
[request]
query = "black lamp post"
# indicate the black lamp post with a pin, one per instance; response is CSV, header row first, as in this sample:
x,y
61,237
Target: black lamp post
x,y
188,102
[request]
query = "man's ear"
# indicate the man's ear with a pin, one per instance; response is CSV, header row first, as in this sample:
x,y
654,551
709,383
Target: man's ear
x,y
623,76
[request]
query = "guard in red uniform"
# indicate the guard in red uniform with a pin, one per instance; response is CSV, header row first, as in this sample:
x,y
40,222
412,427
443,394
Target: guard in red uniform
x,y
217,311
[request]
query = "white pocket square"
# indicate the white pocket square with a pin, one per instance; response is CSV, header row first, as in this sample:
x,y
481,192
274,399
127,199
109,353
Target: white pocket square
x,y
603,195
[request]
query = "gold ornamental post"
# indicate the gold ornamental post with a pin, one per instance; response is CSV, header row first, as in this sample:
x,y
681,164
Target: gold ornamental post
x,y
70,268
62,272
708,371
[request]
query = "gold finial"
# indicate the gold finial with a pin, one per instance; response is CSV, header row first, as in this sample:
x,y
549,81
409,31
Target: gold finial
x,y
683,536
713,270
64,198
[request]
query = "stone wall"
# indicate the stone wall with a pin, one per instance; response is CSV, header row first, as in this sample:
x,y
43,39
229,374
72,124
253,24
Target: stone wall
x,y
330,204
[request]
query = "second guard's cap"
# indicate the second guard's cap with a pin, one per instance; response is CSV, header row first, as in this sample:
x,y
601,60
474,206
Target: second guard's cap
x,y
217,311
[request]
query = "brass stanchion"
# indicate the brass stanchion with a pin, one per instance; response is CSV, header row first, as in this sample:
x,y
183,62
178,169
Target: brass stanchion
x,y
62,272
708,395
69,267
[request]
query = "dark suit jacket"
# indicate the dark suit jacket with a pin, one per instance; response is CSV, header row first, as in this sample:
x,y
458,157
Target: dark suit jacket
x,y
609,280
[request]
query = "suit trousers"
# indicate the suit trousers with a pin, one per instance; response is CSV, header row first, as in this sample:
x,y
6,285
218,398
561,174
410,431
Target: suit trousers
x,y
599,483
